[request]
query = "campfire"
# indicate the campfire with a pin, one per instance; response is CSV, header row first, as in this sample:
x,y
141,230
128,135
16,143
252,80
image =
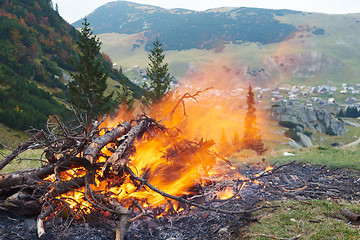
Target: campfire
x,y
129,166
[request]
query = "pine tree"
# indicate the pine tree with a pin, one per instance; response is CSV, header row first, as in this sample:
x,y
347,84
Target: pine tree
x,y
158,74
252,137
341,113
89,83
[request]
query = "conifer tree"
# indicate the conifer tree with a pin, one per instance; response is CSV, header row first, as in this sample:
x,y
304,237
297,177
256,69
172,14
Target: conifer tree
x,y
252,137
341,113
89,83
158,74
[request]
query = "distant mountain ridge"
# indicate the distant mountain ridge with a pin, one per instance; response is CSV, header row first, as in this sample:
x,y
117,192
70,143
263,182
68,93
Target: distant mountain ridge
x,y
262,46
183,29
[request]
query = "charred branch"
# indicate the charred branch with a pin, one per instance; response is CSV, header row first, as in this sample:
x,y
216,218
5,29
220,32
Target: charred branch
x,y
185,96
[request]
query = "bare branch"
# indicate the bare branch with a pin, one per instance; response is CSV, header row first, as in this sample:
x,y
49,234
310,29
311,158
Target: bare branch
x,y
185,96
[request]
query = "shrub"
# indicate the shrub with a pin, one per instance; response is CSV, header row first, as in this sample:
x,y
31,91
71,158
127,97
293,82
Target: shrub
x,y
290,133
289,124
309,134
322,148
330,131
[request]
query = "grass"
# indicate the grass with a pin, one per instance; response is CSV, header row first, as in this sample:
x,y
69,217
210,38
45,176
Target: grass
x,y
11,137
26,160
331,157
318,219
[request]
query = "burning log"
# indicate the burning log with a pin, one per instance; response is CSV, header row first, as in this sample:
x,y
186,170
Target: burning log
x,y
93,149
128,141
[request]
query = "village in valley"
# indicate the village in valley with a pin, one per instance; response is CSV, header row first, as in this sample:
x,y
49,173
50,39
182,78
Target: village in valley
x,y
310,96
347,95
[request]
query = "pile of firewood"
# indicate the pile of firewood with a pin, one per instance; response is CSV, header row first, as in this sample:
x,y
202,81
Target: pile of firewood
x,y
40,191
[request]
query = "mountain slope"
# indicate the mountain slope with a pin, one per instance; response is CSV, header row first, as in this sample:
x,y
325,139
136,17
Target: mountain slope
x,y
36,46
264,46
183,29
30,33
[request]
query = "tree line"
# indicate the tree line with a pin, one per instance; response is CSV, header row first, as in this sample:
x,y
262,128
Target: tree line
x,y
350,112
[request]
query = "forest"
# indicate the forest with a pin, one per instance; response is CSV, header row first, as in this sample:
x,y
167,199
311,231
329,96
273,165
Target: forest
x,y
36,46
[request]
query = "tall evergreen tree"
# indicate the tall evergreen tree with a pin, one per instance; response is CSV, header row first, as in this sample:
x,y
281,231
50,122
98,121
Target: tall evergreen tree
x,y
252,137
89,85
158,74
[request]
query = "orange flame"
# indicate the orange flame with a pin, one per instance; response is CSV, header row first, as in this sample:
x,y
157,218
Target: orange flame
x,y
216,114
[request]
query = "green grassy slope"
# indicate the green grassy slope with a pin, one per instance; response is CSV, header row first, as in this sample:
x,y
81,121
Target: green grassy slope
x,y
340,41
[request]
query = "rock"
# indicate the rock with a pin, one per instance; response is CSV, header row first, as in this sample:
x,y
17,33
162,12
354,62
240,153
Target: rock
x,y
305,141
294,144
319,120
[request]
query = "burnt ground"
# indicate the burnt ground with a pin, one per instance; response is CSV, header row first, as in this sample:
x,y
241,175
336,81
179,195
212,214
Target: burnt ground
x,y
293,181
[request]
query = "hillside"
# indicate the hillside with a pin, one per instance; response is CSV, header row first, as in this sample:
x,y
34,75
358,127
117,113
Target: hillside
x,y
264,46
178,27
36,48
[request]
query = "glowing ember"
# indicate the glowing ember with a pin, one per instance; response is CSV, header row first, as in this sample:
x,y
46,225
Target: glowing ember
x,y
226,194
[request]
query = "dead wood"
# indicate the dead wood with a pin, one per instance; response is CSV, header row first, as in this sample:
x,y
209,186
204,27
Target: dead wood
x,y
115,160
21,203
350,215
32,142
32,178
93,149
123,214
185,96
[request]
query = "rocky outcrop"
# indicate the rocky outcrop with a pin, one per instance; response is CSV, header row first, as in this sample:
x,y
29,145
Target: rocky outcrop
x,y
319,120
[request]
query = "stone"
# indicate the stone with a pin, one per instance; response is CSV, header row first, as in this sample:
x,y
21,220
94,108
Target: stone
x,y
305,141
319,120
294,144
